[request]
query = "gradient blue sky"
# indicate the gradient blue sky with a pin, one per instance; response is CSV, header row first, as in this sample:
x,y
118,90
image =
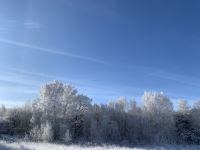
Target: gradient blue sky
x,y
105,48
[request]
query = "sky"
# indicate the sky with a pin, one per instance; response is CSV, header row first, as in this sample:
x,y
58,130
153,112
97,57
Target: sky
x,y
104,48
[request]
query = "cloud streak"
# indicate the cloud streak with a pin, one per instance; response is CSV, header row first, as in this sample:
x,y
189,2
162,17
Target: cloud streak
x,y
148,71
31,81
53,51
186,80
28,83
32,25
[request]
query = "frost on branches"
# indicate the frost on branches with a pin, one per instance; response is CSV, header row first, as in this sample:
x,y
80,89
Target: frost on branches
x,y
62,114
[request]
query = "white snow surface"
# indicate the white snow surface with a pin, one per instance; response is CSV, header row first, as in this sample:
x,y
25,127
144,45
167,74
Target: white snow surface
x,y
50,146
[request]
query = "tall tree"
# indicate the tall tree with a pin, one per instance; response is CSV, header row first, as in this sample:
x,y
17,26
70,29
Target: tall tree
x,y
60,107
158,112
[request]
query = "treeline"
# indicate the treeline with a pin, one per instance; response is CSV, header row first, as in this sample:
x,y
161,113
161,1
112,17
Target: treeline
x,y
62,114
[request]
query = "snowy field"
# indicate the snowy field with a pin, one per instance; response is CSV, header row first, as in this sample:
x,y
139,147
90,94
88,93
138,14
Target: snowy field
x,y
47,146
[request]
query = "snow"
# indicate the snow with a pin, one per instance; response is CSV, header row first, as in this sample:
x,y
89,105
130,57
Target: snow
x,y
49,146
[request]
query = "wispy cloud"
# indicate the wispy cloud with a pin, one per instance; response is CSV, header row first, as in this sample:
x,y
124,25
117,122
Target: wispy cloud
x,y
53,51
18,78
165,75
158,73
183,79
32,25
31,81
87,86
15,24
28,83
191,81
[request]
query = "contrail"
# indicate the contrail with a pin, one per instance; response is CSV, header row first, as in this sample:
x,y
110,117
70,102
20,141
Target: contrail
x,y
53,51
145,70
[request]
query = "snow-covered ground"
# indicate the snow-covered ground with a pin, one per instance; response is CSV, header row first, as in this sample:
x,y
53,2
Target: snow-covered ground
x,y
47,146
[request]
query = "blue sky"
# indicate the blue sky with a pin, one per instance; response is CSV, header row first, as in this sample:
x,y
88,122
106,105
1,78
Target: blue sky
x,y
105,48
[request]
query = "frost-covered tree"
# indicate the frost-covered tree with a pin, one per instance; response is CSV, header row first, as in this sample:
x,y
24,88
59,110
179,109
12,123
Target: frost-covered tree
x,y
158,113
195,113
132,107
183,119
62,107
96,129
3,112
20,119
110,128
135,120
47,108
183,106
119,121
47,132
61,113
79,110
118,118
119,104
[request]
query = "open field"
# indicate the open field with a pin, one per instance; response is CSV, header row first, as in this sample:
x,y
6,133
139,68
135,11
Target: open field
x,y
47,146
